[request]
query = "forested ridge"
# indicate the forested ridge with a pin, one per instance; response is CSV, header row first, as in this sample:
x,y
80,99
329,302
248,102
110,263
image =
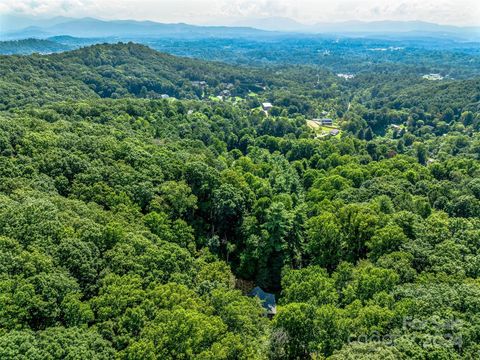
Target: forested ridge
x,y
114,71
127,220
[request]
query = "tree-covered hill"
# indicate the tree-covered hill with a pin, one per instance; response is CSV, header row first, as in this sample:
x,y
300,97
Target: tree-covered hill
x,y
384,96
127,222
118,71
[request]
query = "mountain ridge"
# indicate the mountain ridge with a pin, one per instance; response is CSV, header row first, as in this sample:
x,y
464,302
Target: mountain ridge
x,y
357,26
104,71
268,27
91,27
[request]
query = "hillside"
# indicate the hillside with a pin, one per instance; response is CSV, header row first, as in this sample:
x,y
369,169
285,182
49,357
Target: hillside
x,y
136,71
133,227
116,71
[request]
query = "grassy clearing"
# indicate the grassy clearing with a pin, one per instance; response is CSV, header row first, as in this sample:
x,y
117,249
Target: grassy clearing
x,y
322,130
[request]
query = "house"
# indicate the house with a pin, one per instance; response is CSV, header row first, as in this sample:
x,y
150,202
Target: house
x,y
267,299
199,83
346,76
226,93
334,132
267,106
324,121
433,77
164,96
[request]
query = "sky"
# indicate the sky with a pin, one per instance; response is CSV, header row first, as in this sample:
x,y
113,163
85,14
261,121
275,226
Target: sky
x,y
452,12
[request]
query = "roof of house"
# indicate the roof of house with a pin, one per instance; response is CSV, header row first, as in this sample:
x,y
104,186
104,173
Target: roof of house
x,y
268,300
267,104
334,132
323,120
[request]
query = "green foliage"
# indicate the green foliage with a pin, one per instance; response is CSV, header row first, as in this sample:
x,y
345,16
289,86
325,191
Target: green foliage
x,y
368,351
126,220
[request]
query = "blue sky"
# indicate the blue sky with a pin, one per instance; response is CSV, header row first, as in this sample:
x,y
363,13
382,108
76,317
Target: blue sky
x,y
456,12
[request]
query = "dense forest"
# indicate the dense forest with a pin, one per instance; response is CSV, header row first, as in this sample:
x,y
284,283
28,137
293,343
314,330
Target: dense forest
x,y
405,53
138,189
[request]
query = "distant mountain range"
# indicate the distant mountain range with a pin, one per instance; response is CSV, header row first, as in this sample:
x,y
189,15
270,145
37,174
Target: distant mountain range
x,y
21,28
90,27
362,27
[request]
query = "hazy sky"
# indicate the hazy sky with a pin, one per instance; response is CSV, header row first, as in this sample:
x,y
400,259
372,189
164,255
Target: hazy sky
x,y
457,12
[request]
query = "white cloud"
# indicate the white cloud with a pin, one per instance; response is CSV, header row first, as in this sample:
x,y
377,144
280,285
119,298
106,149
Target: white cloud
x,y
466,12
259,8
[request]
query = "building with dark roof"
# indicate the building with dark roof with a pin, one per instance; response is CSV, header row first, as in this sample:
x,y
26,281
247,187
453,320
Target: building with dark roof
x,y
267,299
324,121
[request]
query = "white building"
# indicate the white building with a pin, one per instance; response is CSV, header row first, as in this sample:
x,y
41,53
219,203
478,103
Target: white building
x,y
267,106
346,76
433,77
